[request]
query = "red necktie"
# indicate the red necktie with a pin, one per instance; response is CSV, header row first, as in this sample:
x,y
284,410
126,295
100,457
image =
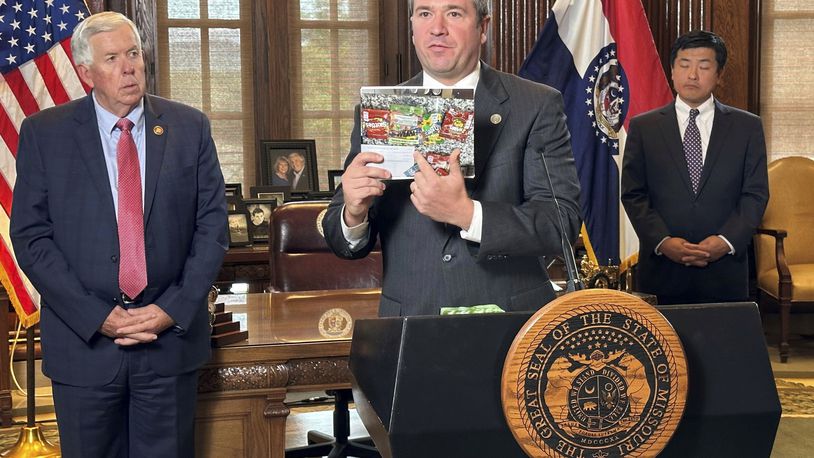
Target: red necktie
x,y
132,261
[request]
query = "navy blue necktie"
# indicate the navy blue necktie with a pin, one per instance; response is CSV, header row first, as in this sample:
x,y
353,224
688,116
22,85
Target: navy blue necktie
x,y
692,150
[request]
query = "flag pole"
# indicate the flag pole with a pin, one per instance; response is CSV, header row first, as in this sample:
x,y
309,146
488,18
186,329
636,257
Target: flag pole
x,y
31,442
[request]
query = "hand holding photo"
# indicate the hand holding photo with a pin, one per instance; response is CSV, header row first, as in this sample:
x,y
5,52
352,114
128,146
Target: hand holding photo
x,y
396,121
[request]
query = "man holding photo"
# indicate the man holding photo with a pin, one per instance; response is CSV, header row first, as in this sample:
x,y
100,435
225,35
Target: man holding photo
x,y
447,241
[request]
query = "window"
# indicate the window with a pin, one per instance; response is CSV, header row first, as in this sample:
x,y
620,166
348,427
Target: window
x,y
205,60
786,100
334,50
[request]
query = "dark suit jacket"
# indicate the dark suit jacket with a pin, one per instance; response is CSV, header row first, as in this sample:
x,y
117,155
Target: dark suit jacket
x,y
427,265
63,228
659,201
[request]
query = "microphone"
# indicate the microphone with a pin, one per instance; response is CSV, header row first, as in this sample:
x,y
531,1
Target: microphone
x,y
574,283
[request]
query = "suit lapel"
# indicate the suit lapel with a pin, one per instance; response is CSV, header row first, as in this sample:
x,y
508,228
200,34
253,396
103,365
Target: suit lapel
x,y
155,134
90,149
675,145
720,128
490,115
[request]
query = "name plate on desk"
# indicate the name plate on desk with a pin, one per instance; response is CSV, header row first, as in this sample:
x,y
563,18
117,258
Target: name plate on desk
x,y
321,315
596,373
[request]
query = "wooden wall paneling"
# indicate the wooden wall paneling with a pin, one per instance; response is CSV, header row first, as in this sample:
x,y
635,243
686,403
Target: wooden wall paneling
x,y
143,14
514,30
96,6
272,85
115,5
737,21
399,59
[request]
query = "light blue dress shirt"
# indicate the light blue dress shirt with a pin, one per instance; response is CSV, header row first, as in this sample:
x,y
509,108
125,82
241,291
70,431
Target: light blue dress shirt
x,y
110,134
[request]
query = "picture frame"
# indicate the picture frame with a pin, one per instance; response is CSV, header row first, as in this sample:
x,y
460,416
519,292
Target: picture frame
x,y
234,204
234,190
238,225
281,194
279,160
334,179
259,211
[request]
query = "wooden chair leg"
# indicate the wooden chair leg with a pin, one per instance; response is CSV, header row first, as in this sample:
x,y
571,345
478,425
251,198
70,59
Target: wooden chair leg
x,y
785,316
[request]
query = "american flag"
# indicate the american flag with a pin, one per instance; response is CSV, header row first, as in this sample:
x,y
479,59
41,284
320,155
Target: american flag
x,y
37,73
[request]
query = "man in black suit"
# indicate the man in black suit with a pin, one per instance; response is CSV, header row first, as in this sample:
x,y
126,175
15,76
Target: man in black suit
x,y
447,241
694,183
119,221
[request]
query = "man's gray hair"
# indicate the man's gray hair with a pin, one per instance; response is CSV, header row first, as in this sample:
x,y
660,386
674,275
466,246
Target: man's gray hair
x,y
484,8
106,21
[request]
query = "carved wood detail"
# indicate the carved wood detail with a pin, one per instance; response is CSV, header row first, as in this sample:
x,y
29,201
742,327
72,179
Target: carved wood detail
x,y
318,371
243,377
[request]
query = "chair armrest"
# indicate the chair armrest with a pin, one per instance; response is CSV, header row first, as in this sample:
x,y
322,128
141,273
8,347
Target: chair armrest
x,y
776,233
783,271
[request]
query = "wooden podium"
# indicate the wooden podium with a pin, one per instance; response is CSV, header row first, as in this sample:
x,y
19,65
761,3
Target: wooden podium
x,y
430,386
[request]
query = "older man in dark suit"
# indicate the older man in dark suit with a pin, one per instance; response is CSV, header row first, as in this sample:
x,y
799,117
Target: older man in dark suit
x,y
447,241
119,221
694,183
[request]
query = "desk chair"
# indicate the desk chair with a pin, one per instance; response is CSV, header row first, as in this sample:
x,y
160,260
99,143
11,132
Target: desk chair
x,y
300,260
784,246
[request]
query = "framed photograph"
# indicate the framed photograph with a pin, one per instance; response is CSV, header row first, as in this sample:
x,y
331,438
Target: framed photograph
x,y
334,179
239,229
259,211
291,164
278,193
234,204
234,190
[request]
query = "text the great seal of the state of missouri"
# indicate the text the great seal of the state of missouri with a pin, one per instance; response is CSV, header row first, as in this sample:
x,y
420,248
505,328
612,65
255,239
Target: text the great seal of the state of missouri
x,y
595,374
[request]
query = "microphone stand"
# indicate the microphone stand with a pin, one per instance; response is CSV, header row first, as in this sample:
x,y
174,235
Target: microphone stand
x,y
574,282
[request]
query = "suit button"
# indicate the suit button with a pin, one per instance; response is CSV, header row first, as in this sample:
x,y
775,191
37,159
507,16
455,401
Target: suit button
x,y
114,258
447,258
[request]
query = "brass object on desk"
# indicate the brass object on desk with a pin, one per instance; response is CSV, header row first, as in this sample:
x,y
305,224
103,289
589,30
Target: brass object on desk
x,y
596,276
224,330
210,305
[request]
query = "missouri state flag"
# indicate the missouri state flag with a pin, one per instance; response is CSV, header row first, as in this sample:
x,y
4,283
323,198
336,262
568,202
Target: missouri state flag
x,y
600,54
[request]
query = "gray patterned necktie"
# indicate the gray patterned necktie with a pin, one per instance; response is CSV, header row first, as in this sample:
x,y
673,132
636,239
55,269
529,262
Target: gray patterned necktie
x,y
692,150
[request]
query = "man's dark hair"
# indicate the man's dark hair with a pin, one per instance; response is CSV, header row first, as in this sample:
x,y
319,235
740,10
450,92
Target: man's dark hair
x,y
700,39
258,210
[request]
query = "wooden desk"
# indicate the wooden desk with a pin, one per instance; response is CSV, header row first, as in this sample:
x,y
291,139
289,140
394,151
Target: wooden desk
x,y
297,342
246,264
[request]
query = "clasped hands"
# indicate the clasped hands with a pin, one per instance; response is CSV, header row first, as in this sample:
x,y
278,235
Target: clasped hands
x,y
700,254
441,198
136,326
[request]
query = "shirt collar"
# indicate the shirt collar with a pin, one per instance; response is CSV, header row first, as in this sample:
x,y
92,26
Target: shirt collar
x,y
468,81
683,110
107,120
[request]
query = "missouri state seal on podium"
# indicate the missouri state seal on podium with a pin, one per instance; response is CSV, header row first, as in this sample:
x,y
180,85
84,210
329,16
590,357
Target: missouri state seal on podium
x,y
595,374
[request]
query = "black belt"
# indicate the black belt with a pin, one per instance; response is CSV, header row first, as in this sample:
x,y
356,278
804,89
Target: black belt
x,y
126,300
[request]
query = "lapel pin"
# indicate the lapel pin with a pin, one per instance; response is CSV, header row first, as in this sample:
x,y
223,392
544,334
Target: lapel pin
x,y
158,130
495,118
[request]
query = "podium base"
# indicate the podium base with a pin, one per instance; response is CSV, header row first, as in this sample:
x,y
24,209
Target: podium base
x,y
32,443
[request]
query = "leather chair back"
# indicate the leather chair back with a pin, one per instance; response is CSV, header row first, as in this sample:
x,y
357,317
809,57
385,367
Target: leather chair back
x,y
301,260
